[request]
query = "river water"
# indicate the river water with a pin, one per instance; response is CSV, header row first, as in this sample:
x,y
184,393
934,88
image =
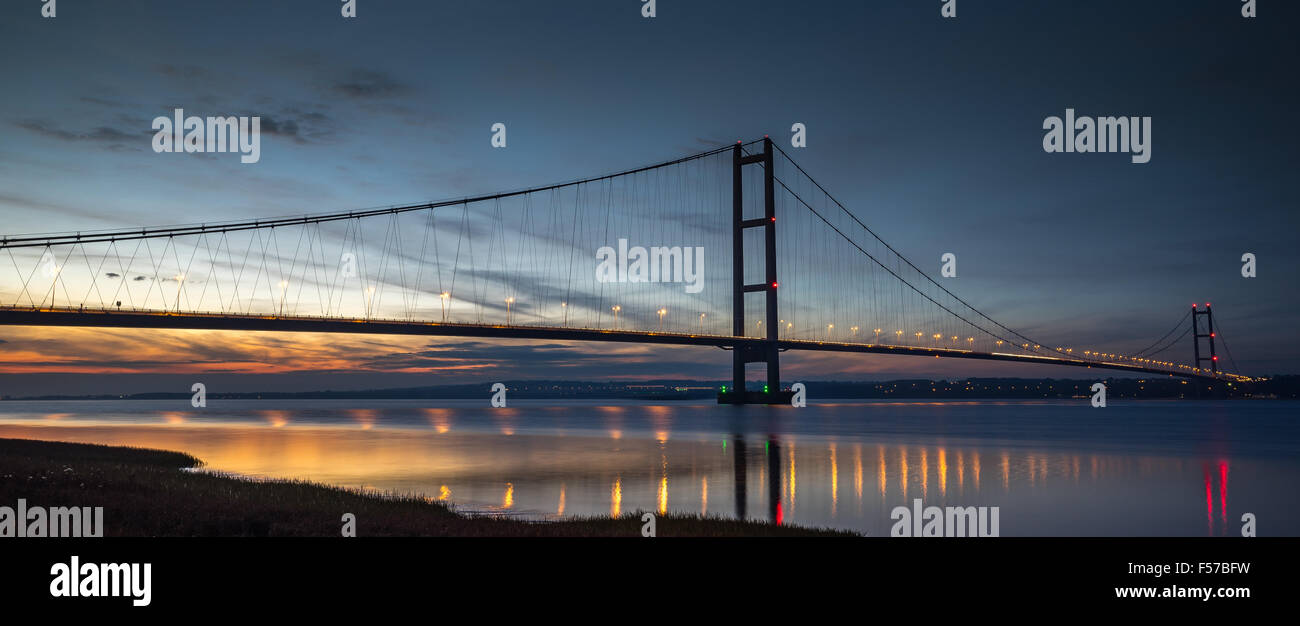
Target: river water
x,y
1063,468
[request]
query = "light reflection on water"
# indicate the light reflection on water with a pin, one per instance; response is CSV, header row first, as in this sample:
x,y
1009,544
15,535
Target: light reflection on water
x,y
1059,468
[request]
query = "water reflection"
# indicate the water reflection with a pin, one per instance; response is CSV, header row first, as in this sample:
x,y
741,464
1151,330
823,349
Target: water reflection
x,y
857,470
1220,472
552,461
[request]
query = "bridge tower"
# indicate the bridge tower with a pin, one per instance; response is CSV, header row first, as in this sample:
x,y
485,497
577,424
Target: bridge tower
x,y
1197,336
764,350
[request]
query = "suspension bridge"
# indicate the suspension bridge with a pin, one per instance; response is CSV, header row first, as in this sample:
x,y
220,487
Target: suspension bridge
x,y
736,247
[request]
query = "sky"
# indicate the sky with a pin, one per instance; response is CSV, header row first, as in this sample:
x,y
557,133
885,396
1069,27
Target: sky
x,y
929,129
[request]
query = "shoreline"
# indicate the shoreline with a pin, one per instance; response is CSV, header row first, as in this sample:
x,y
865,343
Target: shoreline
x,y
157,493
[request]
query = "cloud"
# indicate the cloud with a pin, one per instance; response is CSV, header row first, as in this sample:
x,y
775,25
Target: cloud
x,y
369,84
487,352
101,101
27,203
300,126
101,134
272,126
181,71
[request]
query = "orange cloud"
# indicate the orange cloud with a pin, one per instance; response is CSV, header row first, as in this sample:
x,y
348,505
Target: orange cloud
x,y
91,351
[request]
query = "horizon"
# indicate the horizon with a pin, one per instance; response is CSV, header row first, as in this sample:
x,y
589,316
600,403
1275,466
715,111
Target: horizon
x,y
1122,381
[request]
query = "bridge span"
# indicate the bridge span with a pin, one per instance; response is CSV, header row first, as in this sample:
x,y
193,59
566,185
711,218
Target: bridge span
x,y
736,247
168,320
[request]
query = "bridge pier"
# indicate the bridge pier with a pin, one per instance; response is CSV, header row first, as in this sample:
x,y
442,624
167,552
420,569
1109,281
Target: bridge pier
x,y
765,352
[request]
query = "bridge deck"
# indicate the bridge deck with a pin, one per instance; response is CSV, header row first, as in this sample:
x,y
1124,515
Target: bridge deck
x,y
12,316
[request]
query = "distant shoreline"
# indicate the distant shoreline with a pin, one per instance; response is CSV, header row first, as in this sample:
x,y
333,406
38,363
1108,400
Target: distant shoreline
x,y
1277,387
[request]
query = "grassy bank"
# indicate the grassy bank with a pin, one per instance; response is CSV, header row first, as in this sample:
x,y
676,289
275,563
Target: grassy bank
x,y
146,493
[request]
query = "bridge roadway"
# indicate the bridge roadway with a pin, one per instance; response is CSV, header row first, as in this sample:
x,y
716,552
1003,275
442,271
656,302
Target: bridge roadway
x,y
111,318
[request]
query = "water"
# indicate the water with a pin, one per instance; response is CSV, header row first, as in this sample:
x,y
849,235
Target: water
x,y
1052,467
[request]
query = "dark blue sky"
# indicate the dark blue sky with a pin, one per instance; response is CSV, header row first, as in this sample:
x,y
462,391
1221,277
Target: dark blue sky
x,y
930,130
